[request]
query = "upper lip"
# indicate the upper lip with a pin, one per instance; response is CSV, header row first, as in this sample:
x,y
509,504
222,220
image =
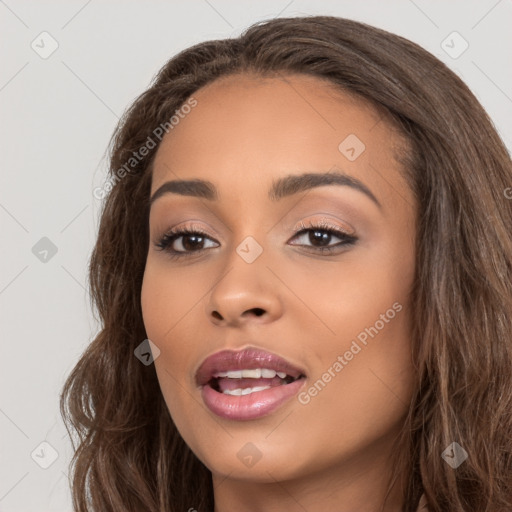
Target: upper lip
x,y
248,358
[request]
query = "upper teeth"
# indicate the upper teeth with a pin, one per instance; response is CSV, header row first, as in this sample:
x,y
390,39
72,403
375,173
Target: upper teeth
x,y
256,373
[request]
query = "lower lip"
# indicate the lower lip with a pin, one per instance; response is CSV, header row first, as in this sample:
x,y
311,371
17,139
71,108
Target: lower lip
x,y
249,407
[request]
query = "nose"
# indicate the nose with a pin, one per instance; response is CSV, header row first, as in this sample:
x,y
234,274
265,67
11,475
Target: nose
x,y
244,293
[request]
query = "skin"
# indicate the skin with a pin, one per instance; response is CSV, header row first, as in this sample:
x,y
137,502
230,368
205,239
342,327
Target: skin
x,y
333,452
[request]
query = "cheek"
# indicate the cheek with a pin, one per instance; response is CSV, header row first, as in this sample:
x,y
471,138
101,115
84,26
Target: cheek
x,y
344,298
166,304
373,386
167,296
172,302
363,315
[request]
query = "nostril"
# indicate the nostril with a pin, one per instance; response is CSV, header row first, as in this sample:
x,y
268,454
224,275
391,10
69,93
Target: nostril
x,y
257,312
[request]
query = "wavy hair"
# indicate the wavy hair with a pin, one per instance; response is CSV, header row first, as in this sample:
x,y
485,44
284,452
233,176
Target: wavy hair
x,y
128,454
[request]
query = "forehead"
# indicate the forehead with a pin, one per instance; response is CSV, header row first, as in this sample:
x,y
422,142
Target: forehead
x,y
247,129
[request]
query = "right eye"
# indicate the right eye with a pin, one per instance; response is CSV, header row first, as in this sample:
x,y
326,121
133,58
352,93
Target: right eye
x,y
182,242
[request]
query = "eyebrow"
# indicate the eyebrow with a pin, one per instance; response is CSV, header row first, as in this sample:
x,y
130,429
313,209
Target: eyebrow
x,y
282,187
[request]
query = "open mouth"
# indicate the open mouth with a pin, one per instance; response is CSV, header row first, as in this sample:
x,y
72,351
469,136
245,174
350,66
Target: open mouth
x,y
247,384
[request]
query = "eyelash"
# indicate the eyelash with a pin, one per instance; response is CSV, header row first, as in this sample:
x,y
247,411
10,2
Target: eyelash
x,y
166,241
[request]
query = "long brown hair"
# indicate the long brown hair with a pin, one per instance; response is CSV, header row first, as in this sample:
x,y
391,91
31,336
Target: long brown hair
x,y
129,455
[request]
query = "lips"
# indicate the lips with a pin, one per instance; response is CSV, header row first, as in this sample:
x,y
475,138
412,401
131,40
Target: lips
x,y
247,384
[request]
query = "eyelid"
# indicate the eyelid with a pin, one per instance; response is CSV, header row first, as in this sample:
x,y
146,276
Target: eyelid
x,y
190,225
325,223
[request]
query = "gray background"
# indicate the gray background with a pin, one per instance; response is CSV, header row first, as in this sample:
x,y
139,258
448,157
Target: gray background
x,y
57,116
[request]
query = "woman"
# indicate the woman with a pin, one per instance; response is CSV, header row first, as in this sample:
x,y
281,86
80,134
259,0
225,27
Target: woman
x,y
307,232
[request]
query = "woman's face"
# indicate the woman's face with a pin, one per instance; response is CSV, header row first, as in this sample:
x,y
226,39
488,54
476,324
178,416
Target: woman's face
x,y
334,306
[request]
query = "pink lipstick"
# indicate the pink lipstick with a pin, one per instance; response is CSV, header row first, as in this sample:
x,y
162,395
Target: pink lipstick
x,y
247,384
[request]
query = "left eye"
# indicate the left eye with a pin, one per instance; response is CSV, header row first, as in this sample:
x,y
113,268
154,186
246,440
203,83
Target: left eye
x,y
323,237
